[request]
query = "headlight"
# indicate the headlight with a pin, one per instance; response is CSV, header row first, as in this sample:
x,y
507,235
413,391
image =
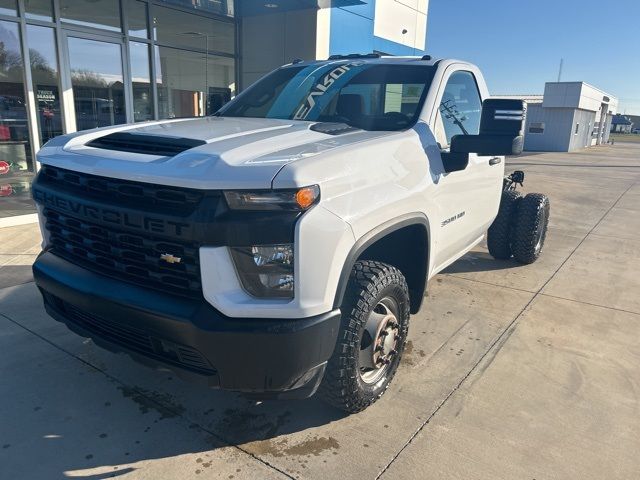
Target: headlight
x,y
299,199
265,271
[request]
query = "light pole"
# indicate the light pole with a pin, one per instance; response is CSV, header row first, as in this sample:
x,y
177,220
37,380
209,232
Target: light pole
x,y
206,63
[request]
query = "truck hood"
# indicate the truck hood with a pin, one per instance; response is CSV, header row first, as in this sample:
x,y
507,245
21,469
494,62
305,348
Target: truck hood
x,y
236,153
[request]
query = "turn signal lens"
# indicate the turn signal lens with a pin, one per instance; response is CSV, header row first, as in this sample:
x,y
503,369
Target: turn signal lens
x,y
305,197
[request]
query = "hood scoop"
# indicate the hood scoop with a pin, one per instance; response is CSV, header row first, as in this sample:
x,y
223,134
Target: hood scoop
x,y
145,143
332,128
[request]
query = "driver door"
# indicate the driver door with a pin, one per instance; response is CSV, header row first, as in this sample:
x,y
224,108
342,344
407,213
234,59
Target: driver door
x,y
467,199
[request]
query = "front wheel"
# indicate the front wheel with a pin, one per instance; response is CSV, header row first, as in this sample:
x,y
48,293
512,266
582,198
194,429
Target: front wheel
x,y
372,337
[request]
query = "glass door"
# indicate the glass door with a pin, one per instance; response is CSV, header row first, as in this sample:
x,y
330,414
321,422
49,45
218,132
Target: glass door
x,y
97,82
17,167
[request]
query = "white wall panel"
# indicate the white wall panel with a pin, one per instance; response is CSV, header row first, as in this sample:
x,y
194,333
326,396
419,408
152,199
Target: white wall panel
x,y
421,31
392,17
409,3
419,5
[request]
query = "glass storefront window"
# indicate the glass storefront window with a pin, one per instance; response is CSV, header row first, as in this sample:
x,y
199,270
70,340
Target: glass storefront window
x,y
38,10
141,82
45,77
137,15
223,7
186,30
96,77
190,87
8,7
192,55
16,156
103,14
220,82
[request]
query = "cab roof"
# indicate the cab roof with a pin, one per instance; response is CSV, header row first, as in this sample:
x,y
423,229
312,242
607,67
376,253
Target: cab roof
x,y
372,58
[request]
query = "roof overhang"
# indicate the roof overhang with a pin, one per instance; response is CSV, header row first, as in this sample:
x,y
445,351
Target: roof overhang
x,y
250,8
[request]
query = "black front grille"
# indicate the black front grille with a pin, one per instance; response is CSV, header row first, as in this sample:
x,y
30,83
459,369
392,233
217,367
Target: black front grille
x,y
121,191
133,338
130,256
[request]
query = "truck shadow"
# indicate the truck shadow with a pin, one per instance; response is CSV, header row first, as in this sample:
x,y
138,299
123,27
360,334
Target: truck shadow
x,y
121,440
72,409
11,275
479,262
248,422
217,420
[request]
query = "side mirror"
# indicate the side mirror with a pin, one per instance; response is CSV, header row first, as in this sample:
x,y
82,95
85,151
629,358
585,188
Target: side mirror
x,y
501,130
454,161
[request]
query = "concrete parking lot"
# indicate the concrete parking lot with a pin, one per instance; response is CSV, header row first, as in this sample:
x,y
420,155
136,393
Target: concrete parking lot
x,y
527,372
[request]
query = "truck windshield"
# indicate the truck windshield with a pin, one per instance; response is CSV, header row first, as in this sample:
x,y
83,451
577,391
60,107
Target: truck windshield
x,y
363,95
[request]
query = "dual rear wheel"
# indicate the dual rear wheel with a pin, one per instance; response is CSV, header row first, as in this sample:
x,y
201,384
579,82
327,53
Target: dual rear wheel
x,y
520,229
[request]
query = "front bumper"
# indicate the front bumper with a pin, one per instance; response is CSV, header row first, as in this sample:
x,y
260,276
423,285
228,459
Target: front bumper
x,y
263,357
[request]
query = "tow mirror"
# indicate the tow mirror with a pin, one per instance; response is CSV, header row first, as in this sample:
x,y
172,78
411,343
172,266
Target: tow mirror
x,y
501,130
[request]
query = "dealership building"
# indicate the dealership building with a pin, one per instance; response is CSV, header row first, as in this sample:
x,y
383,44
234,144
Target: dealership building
x,y
69,65
569,116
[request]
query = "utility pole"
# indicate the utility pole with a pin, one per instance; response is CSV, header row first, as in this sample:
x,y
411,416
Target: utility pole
x,y
560,69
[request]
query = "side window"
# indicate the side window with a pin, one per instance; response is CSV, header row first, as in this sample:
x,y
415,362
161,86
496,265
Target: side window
x,y
460,107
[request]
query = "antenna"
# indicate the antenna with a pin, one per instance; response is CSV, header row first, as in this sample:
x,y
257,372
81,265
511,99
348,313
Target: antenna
x,y
560,69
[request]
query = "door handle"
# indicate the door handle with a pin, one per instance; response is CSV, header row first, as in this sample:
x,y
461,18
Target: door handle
x,y
495,160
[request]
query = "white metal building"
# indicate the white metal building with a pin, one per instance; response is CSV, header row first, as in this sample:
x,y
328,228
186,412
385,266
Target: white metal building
x,y
569,116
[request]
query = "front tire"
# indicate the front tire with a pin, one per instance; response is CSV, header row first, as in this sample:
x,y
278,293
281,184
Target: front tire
x,y
372,337
530,228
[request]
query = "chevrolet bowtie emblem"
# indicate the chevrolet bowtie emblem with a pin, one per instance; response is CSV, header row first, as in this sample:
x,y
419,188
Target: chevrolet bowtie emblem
x,y
167,257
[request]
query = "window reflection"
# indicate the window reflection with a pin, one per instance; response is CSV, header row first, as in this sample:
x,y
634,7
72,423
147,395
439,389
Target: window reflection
x,y
141,82
16,160
188,86
38,10
220,80
224,7
8,7
137,12
96,77
103,14
180,29
44,72
461,106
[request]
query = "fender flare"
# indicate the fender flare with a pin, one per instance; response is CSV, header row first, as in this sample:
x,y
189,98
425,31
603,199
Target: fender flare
x,y
373,236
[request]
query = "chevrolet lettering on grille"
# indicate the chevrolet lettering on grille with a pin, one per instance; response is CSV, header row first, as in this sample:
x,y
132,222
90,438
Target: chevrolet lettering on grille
x,y
111,216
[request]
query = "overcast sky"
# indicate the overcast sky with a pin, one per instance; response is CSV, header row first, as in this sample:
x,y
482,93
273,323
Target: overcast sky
x,y
518,43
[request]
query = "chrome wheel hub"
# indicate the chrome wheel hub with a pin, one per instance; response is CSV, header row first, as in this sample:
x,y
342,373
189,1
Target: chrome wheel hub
x,y
379,342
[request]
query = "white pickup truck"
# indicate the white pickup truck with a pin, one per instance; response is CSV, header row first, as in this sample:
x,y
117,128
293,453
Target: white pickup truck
x,y
278,247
